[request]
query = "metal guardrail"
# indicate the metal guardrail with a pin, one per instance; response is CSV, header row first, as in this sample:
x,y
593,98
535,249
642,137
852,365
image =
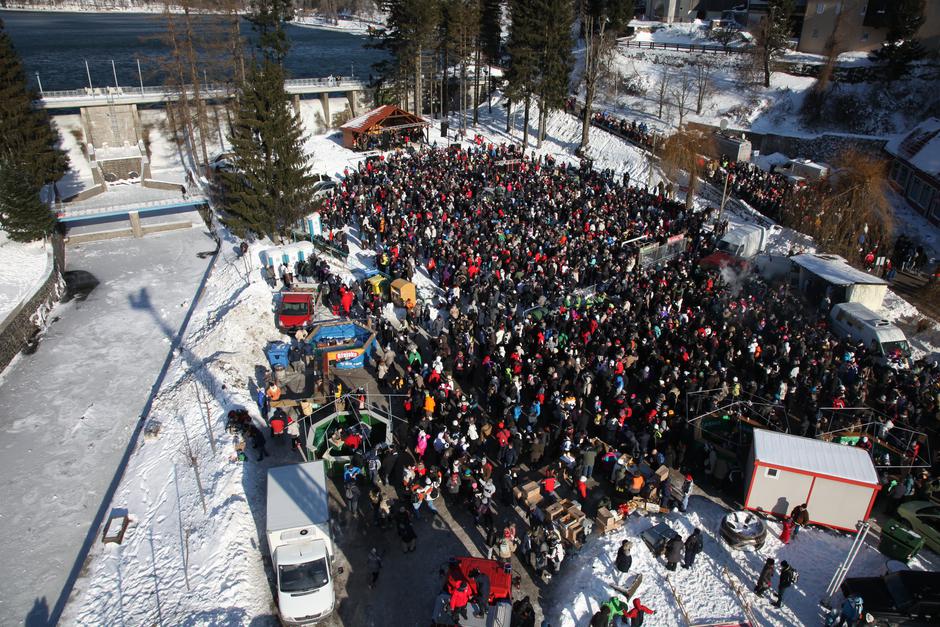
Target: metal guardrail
x,y
63,212
652,45
111,94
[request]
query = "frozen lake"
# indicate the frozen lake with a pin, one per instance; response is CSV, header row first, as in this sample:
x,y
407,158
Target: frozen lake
x,y
70,408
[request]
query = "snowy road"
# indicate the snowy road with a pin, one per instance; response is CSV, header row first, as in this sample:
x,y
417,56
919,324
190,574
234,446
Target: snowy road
x,y
71,407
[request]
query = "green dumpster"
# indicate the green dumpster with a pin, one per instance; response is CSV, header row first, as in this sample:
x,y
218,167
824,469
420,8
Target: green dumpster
x,y
899,542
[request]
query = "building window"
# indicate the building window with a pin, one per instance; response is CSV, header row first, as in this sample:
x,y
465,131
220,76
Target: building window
x,y
820,8
895,168
903,175
913,193
865,36
771,473
926,195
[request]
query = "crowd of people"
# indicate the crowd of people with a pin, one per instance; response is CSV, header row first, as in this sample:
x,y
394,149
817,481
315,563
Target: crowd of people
x,y
507,369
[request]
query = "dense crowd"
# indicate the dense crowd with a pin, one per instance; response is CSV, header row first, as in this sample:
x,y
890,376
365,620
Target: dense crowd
x,y
552,346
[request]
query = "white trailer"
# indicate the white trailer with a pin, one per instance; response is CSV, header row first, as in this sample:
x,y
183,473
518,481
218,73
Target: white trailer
x,y
300,543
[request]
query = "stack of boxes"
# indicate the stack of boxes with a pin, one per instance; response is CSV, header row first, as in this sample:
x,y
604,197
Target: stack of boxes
x,y
528,493
568,516
607,520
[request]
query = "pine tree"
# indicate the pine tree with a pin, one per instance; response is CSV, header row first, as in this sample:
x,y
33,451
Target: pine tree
x,y
410,31
905,18
491,29
556,60
27,138
267,18
23,215
270,186
619,14
523,58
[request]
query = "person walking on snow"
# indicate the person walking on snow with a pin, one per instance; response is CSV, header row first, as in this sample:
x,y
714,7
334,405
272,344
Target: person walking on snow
x,y
800,517
674,550
624,560
687,486
693,546
636,614
765,577
788,577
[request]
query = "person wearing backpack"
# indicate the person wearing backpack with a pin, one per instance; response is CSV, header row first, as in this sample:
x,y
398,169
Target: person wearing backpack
x,y
788,577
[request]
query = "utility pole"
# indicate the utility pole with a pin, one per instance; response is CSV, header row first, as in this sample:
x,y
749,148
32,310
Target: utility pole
x,y
724,198
40,84
114,73
140,77
88,73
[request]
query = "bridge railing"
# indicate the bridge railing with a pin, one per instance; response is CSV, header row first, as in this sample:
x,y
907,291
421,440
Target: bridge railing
x,y
117,93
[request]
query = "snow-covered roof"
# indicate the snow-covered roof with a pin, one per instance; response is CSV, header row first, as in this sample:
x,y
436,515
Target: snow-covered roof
x,y
835,270
814,456
920,147
292,496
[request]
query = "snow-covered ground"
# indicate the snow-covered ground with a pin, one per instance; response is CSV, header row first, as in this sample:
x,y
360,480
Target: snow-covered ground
x,y
182,564
632,89
706,590
23,267
72,405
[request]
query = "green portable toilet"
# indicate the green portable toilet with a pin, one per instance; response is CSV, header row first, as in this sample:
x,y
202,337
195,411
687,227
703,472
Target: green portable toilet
x,y
899,542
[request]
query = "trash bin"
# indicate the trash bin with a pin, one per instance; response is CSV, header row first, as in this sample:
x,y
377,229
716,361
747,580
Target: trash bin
x,y
900,543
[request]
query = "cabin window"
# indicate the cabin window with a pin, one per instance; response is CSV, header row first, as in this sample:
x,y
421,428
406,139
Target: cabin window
x,y
771,473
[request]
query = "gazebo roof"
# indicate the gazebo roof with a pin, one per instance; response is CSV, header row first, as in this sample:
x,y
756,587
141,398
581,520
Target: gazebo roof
x,y
384,117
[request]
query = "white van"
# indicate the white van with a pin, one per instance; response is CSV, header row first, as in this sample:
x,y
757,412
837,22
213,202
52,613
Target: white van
x,y
300,542
863,324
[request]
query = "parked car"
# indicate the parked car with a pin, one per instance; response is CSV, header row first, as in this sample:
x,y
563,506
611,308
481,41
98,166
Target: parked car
x,y
324,188
924,518
222,162
909,597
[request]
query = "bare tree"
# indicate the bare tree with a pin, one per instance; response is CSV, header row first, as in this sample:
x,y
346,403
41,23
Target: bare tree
x,y
681,155
682,94
703,68
724,36
598,45
662,90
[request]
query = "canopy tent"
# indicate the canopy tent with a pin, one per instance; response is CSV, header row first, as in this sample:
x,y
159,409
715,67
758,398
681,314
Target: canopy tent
x,y
380,124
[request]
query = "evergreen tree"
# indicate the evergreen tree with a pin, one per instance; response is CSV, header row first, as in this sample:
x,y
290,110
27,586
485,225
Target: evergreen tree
x,y
904,18
23,215
556,60
491,28
27,138
772,35
267,18
270,186
619,14
411,29
523,58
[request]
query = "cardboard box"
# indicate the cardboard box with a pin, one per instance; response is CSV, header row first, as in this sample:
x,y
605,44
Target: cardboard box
x,y
555,510
576,512
571,533
662,472
609,526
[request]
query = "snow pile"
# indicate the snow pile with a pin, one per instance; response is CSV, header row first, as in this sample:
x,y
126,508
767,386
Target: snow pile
x,y
22,268
706,591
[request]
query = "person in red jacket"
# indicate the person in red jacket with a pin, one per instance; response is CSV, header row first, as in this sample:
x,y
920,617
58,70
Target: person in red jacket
x,y
582,488
459,598
636,614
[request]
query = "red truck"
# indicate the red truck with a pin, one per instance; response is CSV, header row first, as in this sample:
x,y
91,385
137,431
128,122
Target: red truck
x,y
295,310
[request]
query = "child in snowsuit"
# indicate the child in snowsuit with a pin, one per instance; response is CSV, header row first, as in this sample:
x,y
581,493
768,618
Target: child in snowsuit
x,y
788,577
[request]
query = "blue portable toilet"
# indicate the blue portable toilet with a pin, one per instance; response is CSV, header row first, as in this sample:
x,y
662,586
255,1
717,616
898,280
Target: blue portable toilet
x,y
278,354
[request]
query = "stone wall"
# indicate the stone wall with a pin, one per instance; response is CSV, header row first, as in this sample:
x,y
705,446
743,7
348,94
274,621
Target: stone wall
x,y
29,317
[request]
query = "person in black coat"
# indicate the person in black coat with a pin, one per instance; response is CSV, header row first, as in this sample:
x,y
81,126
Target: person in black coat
x,y
624,559
482,585
765,577
788,577
674,550
693,546
601,618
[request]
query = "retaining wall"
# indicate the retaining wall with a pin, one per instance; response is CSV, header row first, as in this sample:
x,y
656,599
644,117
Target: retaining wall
x,y
27,319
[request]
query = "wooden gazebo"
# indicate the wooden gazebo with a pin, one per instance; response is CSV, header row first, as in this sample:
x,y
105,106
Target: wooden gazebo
x,y
380,126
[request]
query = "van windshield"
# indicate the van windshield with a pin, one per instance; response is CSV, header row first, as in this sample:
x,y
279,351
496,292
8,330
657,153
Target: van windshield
x,y
303,577
897,349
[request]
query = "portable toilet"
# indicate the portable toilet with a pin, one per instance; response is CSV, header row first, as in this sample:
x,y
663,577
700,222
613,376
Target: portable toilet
x,y
312,225
402,291
377,284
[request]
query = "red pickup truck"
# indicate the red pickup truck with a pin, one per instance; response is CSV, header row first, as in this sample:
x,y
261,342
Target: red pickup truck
x,y
295,310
